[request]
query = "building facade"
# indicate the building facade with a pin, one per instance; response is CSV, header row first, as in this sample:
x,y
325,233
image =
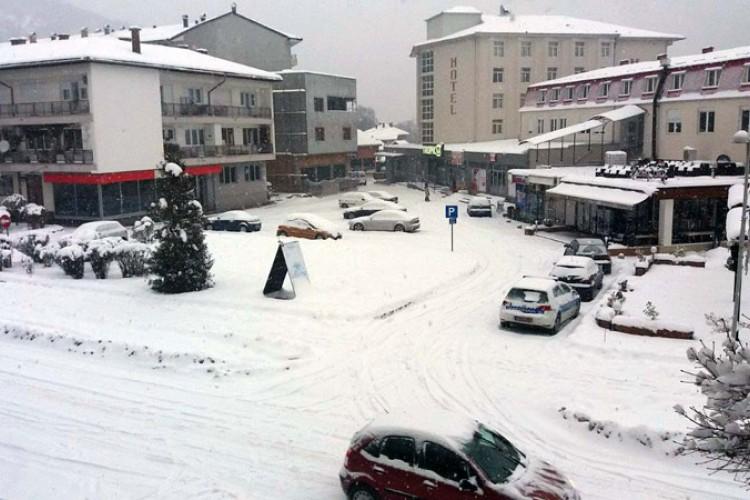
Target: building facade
x,y
84,123
474,70
316,134
699,102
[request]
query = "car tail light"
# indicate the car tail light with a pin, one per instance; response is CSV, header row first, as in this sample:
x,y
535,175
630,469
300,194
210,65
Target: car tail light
x,y
545,307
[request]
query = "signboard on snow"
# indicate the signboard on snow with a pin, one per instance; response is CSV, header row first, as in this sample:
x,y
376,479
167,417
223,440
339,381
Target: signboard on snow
x,y
288,262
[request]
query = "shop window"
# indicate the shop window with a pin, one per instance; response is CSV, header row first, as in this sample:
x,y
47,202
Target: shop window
x,y
87,200
339,171
112,199
130,197
65,199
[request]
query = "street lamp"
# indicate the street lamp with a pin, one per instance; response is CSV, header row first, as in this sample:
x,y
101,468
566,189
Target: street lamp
x,y
741,137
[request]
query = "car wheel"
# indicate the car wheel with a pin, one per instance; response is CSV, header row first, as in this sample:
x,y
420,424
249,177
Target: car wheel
x,y
243,229
281,233
319,237
358,227
362,493
558,323
399,228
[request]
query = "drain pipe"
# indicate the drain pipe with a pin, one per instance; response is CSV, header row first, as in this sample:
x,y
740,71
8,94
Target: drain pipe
x,y
208,94
664,62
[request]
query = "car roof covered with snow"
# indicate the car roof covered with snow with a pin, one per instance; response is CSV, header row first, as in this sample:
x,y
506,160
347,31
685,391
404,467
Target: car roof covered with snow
x,y
480,201
236,215
393,214
316,220
574,261
380,193
540,284
436,425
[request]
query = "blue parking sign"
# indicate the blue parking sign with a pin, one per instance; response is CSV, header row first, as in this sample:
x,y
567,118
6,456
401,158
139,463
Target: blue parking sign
x,y
451,211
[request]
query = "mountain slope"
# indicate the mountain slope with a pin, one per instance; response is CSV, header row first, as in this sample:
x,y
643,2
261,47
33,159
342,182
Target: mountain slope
x,y
21,17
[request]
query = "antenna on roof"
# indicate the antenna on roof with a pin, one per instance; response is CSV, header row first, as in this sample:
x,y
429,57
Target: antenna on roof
x,y
234,7
203,17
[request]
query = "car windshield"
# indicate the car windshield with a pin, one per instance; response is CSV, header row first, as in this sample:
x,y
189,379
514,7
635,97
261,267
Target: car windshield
x,y
494,454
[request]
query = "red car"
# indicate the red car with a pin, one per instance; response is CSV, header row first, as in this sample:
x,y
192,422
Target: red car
x,y
446,458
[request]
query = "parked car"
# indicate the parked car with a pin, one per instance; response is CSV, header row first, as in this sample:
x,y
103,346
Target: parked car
x,y
234,220
479,206
360,176
354,199
581,273
383,195
386,220
444,457
541,302
591,247
97,230
370,208
308,226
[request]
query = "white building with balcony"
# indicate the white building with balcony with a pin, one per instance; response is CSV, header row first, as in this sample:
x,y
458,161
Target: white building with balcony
x,y
84,122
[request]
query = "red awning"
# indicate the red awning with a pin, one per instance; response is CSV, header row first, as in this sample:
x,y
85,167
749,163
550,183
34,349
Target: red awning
x,y
98,179
203,169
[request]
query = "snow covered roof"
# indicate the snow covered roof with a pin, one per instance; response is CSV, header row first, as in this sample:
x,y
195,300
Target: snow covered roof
x,y
365,139
553,172
717,57
114,51
308,72
386,133
550,25
573,261
610,196
503,146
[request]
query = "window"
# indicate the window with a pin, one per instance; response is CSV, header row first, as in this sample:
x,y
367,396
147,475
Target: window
x,y
427,133
712,78
553,124
247,99
497,75
347,133
498,48
552,48
541,97
604,89
194,137
399,448
554,95
195,96
674,122
568,94
320,134
168,135
579,49
497,127
428,109
318,104
579,69
540,126
746,75
626,86
497,101
525,75
428,62
551,73
706,120
228,175
249,136
678,79
606,49
649,85
583,91
339,103
444,463
253,172
428,84
525,49
745,119
227,136
522,99
563,122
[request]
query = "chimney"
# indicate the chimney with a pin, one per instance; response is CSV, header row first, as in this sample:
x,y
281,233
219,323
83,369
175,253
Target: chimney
x,y
84,32
203,17
135,38
63,36
185,21
53,37
707,50
32,37
107,29
17,41
234,8
623,62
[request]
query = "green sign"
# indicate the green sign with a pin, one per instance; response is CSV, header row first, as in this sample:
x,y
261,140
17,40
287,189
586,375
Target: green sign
x,y
436,150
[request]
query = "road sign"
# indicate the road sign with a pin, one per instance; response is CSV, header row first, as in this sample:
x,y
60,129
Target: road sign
x,y
451,211
5,220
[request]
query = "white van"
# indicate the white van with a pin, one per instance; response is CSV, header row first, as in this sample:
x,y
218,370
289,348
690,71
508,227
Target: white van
x,y
354,199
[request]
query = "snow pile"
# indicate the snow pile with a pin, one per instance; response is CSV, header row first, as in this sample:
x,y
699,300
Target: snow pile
x,y
173,169
734,223
735,196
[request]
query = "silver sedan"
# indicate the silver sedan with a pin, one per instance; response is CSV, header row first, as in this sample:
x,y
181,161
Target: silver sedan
x,y
386,220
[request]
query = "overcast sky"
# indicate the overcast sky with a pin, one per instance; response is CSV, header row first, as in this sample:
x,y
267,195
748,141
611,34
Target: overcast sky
x,y
371,39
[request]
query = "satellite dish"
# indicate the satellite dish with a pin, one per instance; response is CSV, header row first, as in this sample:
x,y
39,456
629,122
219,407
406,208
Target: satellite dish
x,y
4,146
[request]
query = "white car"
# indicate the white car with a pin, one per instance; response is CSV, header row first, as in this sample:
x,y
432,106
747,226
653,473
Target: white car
x,y
97,230
370,208
386,220
354,199
479,206
384,195
541,302
581,273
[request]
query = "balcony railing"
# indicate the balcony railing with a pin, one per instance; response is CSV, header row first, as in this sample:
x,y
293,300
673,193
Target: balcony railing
x,y
57,108
217,151
83,156
187,109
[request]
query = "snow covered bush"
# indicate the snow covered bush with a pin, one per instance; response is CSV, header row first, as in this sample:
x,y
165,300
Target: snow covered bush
x,y
143,230
181,261
722,425
71,259
45,254
132,257
14,203
650,311
28,244
100,253
6,252
34,215
615,301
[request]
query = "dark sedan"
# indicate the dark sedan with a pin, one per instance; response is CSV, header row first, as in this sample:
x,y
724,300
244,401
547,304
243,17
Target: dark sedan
x,y
591,247
234,220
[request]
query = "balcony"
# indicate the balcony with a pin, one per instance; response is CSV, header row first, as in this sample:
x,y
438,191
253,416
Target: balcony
x,y
219,151
187,109
71,156
42,109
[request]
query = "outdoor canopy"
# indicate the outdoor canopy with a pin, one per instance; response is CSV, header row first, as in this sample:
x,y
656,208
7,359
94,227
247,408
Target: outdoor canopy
x,y
616,198
600,120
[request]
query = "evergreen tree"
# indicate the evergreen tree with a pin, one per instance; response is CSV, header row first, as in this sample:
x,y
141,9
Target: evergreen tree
x,y
181,262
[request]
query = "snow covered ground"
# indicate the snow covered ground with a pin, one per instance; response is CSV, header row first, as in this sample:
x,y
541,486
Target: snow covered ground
x,y
111,391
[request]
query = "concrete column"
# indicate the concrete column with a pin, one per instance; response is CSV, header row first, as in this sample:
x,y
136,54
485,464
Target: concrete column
x,y
666,219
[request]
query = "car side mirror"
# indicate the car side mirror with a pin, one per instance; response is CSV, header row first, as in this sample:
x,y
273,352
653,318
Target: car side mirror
x,y
466,485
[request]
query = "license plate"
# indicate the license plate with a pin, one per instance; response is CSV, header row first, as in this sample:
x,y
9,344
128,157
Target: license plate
x,y
523,319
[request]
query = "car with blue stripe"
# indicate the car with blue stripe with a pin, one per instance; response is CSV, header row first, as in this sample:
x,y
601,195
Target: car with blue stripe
x,y
540,302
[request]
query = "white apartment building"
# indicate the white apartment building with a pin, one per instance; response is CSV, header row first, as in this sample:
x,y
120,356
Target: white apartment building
x,y
84,122
701,100
474,69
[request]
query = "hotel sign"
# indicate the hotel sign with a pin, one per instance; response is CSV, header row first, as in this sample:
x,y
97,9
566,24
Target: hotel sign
x,y
453,83
436,150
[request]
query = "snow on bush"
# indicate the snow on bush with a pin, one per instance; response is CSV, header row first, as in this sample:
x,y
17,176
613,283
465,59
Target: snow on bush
x,y
650,311
173,169
32,210
132,257
722,426
14,202
605,314
100,253
71,259
143,229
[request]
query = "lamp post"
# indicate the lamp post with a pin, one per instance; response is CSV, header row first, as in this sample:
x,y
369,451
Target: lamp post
x,y
741,137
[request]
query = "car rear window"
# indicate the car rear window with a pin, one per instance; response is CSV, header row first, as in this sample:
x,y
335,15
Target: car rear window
x,y
534,296
592,250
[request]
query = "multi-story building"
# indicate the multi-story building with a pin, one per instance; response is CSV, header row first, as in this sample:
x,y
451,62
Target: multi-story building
x,y
84,122
474,69
316,134
684,107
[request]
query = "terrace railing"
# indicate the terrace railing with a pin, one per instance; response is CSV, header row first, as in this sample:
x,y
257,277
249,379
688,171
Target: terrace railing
x,y
188,109
55,108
